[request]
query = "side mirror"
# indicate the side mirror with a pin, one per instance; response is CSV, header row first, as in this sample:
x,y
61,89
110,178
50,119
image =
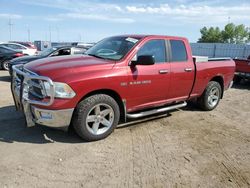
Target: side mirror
x,y
144,60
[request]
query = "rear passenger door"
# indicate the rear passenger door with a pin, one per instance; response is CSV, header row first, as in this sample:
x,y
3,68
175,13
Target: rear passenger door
x,y
182,70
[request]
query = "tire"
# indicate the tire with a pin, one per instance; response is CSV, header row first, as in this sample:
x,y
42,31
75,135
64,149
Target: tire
x,y
5,65
211,96
96,117
237,79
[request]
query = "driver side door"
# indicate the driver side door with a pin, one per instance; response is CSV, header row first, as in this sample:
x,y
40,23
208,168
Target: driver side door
x,y
148,84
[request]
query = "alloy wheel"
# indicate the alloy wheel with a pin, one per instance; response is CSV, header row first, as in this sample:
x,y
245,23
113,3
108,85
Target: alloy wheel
x,y
213,97
99,119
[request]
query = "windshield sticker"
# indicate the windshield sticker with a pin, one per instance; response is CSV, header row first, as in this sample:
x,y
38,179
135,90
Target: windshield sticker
x,y
133,40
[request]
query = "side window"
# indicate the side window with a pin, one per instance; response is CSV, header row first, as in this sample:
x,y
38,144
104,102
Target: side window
x,y
179,52
13,46
78,50
156,48
3,50
10,46
55,53
65,51
21,47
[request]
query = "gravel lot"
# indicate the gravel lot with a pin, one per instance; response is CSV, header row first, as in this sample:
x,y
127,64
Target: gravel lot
x,y
188,148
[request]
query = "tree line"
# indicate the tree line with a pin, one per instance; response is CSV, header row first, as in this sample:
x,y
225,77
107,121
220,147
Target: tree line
x,y
236,34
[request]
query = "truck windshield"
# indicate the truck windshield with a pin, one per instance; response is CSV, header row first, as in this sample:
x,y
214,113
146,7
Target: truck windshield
x,y
113,48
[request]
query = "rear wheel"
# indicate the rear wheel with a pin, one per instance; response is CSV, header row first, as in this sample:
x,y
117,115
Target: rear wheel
x,y
211,96
5,65
96,117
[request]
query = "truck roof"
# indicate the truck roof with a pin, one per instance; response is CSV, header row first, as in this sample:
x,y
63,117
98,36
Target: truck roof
x,y
144,35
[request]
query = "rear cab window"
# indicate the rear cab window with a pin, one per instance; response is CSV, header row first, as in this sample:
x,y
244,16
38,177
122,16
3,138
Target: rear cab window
x,y
178,51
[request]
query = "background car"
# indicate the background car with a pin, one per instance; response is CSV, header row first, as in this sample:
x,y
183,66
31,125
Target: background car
x,y
27,44
51,52
16,46
85,45
6,54
242,71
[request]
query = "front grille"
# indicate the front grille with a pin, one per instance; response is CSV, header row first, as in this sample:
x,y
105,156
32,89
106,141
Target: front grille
x,y
35,90
28,86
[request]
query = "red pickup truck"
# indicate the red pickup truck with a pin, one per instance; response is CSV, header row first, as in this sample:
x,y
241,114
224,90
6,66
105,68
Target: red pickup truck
x,y
120,78
242,69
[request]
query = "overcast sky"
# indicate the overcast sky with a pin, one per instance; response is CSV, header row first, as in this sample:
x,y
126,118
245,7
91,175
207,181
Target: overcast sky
x,y
75,20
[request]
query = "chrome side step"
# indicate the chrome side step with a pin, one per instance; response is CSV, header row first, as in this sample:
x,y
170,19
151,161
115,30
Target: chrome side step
x,y
136,121
155,111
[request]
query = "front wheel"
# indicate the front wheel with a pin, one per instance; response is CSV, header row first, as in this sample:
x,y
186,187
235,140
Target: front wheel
x,y
5,65
211,96
96,117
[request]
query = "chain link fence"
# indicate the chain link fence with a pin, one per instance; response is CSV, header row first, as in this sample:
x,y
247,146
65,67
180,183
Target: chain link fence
x,y
220,50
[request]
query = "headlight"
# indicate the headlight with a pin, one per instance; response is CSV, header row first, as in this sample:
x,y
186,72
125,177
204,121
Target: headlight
x,y
62,90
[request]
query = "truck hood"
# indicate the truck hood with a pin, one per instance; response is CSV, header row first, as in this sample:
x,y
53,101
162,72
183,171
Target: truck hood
x,y
57,68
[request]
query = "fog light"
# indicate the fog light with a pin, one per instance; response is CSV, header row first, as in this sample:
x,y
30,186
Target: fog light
x,y
46,115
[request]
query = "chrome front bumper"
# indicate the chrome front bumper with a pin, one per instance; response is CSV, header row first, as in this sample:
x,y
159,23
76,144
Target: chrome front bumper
x,y
34,115
52,118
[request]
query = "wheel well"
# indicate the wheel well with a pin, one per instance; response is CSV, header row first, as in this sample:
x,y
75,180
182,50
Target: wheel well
x,y
220,80
112,94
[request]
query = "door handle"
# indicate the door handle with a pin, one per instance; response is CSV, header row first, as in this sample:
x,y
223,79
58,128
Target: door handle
x,y
163,71
188,69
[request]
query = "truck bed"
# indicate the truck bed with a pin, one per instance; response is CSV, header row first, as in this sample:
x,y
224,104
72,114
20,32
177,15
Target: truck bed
x,y
214,68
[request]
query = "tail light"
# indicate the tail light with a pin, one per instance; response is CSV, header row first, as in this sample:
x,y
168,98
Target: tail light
x,y
18,54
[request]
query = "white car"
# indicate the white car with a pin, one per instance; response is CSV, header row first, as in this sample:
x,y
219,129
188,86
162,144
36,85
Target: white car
x,y
20,47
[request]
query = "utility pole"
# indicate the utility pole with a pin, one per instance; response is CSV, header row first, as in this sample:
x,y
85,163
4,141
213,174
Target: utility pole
x,y
80,37
28,32
10,24
46,36
58,36
49,33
